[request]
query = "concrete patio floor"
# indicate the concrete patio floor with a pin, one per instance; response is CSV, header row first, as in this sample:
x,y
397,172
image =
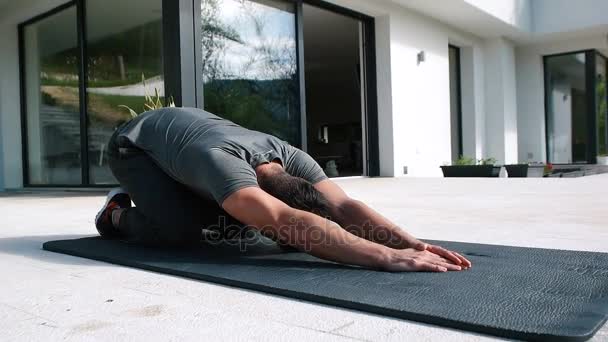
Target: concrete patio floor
x,y
48,296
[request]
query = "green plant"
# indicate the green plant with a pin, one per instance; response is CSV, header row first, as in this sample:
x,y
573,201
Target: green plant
x,y
464,160
487,161
150,102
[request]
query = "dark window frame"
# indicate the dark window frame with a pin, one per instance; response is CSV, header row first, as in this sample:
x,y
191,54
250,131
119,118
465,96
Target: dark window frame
x,y
592,118
459,97
596,119
369,69
369,50
81,17
23,101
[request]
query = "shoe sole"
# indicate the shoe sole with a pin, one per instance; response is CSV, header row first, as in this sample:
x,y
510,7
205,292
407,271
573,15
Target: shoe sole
x,y
111,195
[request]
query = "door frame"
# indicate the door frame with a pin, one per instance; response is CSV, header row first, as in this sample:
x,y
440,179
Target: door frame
x,y
592,117
459,97
369,120
80,27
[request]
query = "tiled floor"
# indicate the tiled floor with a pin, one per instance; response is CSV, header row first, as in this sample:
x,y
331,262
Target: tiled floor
x,y
47,296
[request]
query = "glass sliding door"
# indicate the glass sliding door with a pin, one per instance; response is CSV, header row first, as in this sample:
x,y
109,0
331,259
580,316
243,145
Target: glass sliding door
x,y
124,45
250,65
576,107
50,59
567,109
602,107
335,90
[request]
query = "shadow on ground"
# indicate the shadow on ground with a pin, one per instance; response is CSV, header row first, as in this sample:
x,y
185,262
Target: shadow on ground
x,y
31,247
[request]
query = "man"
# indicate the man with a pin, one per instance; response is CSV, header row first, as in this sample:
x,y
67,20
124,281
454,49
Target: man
x,y
187,169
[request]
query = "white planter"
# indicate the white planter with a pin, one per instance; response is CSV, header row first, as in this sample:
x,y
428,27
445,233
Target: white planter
x,y
602,160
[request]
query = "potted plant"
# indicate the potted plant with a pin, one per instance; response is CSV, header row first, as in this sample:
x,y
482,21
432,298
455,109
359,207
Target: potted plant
x,y
537,170
517,170
469,167
532,170
548,169
602,159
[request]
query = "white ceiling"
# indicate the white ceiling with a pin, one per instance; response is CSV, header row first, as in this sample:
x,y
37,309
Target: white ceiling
x,y
463,15
470,17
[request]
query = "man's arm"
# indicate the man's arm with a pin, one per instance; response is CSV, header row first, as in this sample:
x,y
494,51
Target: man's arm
x,y
361,220
323,238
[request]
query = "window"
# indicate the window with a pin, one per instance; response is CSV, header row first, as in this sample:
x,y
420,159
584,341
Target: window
x,y
335,90
250,65
52,99
575,101
65,141
305,80
84,60
124,45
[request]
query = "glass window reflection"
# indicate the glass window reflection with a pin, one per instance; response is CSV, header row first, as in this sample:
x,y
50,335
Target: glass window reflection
x,y
124,45
249,64
52,100
567,108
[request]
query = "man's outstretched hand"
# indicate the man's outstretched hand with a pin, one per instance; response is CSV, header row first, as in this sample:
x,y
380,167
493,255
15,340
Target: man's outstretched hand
x,y
426,257
450,255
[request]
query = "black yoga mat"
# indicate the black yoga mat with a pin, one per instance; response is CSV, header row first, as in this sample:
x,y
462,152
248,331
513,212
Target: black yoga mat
x,y
513,292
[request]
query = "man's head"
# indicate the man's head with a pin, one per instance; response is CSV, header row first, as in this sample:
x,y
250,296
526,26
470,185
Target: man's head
x,y
293,191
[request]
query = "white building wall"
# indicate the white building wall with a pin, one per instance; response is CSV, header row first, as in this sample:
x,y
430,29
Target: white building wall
x,y
421,106
473,103
10,112
385,104
530,91
501,101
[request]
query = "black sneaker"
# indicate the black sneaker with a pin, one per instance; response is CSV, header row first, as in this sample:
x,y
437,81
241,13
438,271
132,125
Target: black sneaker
x,y
117,199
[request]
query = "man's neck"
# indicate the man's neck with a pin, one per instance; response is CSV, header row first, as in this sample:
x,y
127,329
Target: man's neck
x,y
267,169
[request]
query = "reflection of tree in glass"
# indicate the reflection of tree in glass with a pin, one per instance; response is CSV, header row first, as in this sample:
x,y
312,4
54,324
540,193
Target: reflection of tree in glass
x,y
215,34
249,78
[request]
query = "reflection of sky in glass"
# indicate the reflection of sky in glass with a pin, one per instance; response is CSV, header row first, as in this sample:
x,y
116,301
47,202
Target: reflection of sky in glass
x,y
277,32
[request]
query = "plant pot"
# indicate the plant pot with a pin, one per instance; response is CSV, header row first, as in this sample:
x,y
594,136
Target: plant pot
x,y
471,171
602,160
535,171
517,170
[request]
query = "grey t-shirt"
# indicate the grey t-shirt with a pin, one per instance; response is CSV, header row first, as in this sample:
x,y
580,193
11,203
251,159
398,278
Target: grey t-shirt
x,y
213,156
